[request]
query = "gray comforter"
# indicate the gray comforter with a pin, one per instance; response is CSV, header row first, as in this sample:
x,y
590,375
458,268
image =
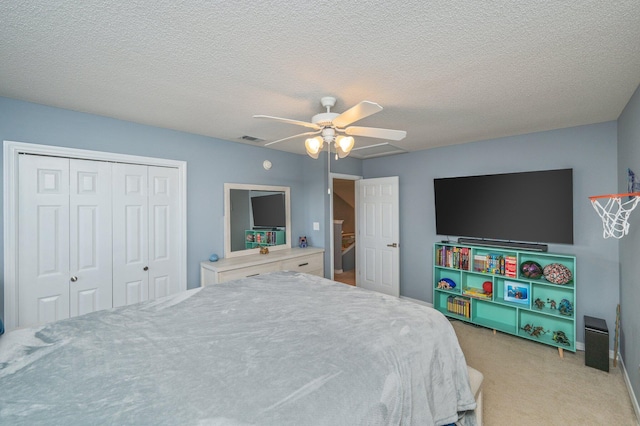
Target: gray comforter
x,y
276,349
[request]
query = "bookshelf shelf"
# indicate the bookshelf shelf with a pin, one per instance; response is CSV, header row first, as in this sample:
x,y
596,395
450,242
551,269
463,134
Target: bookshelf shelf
x,y
537,310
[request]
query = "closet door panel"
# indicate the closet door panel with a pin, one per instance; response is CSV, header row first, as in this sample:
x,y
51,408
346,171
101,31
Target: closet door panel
x,y
164,261
43,234
130,234
91,250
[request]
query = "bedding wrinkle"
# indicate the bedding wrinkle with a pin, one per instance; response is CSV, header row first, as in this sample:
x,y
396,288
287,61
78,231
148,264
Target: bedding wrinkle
x,y
276,349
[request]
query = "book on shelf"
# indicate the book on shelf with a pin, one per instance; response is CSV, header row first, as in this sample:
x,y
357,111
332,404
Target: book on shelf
x,y
510,266
476,292
459,306
453,257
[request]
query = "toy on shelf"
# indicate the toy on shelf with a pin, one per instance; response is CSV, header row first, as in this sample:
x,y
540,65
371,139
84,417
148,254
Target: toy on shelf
x,y
553,304
561,338
535,331
566,308
531,269
557,273
487,286
446,284
539,303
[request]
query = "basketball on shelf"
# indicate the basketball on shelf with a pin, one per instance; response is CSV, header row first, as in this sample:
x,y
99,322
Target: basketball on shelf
x,y
487,286
557,273
531,269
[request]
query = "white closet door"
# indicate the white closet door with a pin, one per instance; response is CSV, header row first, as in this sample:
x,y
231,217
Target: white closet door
x,y
130,234
43,234
164,247
90,234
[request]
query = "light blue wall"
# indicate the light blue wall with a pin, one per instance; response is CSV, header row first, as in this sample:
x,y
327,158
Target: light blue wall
x,y
589,150
629,158
210,163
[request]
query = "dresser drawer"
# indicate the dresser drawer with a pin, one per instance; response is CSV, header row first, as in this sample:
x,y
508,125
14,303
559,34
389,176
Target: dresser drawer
x,y
308,264
247,272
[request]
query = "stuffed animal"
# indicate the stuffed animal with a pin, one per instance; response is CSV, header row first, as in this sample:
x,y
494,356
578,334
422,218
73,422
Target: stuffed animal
x,y
302,242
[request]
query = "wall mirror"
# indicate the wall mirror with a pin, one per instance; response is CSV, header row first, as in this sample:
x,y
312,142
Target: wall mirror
x,y
256,216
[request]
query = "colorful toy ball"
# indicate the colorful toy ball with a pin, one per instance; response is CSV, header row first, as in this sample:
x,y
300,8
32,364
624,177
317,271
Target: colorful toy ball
x,y
557,273
487,286
531,269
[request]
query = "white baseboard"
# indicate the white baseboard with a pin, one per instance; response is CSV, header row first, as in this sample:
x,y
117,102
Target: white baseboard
x,y
338,271
632,395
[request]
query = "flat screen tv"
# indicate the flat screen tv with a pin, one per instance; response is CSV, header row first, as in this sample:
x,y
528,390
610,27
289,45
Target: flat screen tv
x,y
269,211
529,206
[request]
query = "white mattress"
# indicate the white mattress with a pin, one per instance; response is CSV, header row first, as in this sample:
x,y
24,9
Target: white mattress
x,y
276,349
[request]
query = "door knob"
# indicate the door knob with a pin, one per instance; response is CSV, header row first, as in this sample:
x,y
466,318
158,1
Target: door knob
x,y
392,245
146,268
74,279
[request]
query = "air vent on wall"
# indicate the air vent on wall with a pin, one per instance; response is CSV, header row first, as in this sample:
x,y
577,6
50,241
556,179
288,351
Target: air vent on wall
x,y
251,139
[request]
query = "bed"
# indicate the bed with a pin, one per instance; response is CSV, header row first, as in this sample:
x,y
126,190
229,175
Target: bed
x,y
276,349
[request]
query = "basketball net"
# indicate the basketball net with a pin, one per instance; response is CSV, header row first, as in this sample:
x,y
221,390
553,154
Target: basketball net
x,y
615,212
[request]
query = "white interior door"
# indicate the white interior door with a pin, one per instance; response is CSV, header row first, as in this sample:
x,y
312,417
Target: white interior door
x,y
378,234
43,234
90,236
164,262
130,234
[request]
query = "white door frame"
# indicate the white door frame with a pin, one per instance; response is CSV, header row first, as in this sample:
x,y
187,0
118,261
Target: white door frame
x,y
333,176
11,151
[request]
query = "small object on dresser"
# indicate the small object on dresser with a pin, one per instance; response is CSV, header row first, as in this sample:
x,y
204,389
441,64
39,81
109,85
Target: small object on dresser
x,y
302,242
213,258
264,250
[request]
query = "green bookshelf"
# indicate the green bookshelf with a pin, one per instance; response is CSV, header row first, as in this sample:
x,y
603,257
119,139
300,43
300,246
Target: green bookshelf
x,y
531,307
253,238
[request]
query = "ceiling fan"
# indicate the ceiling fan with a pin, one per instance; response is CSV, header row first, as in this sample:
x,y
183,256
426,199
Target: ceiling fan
x,y
329,126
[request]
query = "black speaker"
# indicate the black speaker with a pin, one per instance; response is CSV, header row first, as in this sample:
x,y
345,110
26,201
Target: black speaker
x,y
596,343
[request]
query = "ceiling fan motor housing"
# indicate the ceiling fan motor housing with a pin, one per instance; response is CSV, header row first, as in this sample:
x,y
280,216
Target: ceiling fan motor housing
x,y
324,119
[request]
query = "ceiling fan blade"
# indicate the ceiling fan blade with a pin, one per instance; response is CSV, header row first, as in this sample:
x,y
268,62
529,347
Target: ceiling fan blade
x,y
355,113
287,120
294,136
372,132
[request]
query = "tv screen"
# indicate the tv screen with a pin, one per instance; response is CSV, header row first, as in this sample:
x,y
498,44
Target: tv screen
x,y
268,211
529,206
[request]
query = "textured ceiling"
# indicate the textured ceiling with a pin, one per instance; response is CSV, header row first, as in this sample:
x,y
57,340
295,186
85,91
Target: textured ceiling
x,y
445,71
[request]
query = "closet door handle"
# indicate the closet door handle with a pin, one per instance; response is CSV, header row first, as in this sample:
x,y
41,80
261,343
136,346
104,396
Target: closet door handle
x,y
392,245
146,268
74,279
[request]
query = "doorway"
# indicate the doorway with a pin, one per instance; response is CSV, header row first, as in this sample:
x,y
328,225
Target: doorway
x,y
344,228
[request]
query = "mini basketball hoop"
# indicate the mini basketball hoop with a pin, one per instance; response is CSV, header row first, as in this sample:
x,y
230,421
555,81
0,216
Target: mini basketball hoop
x,y
614,212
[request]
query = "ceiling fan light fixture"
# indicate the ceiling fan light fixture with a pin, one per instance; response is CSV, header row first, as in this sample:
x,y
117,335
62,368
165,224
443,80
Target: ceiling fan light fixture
x,y
344,144
314,146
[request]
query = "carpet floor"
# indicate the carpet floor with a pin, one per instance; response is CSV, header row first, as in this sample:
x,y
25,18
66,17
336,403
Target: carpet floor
x,y
527,383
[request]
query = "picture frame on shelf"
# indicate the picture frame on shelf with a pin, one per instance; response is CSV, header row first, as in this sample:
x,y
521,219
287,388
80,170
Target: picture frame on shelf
x,y
516,292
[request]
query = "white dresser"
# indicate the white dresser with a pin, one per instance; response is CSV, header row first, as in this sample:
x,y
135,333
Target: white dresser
x,y
309,260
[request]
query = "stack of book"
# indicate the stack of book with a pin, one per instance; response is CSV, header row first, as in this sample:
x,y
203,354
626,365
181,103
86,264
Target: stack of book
x,y
453,257
510,266
459,306
491,263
